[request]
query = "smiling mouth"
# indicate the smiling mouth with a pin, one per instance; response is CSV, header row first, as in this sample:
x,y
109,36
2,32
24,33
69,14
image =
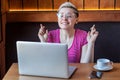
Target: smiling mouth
x,y
64,23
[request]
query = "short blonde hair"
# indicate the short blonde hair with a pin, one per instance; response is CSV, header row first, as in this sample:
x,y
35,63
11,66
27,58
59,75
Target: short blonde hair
x,y
69,5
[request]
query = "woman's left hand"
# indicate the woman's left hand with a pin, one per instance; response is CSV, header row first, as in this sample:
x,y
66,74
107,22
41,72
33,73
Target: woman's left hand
x,y
92,35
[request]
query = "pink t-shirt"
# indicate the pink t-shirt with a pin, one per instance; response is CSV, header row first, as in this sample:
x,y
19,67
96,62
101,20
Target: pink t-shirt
x,y
74,52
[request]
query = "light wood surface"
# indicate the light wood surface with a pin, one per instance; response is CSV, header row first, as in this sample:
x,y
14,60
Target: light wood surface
x,y
82,73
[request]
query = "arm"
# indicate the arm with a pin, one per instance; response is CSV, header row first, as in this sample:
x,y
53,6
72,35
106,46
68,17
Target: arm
x,y
87,53
88,49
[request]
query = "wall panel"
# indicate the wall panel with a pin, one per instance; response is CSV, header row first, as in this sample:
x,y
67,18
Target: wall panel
x,y
4,6
106,4
45,4
88,4
117,4
0,29
87,8
77,3
57,3
30,4
54,4
15,4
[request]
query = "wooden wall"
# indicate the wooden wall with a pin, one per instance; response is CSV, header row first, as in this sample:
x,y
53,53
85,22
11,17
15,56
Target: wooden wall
x,y
54,4
45,10
3,9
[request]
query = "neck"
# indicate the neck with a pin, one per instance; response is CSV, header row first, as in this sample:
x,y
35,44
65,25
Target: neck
x,y
67,33
67,36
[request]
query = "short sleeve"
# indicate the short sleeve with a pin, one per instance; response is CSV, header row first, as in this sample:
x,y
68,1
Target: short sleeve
x,y
84,38
50,38
81,36
53,36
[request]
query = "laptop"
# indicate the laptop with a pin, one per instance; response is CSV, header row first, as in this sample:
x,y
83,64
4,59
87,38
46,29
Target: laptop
x,y
43,59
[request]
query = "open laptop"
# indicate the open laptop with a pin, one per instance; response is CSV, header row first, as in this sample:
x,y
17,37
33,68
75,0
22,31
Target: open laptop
x,y
43,59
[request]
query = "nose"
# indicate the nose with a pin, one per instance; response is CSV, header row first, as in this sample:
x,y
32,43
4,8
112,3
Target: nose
x,y
65,17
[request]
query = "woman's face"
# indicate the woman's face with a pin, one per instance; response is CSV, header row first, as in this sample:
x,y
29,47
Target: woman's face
x,y
67,18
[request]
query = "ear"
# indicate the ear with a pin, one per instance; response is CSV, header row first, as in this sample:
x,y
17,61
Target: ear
x,y
76,20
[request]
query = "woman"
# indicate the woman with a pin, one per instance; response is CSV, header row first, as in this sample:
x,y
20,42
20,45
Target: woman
x,y
80,43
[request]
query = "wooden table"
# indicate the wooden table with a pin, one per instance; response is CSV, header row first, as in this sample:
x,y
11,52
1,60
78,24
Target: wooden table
x,y
82,73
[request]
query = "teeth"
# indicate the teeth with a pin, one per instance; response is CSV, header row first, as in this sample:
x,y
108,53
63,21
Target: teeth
x,y
64,23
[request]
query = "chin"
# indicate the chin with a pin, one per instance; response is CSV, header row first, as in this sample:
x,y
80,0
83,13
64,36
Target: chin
x,y
64,27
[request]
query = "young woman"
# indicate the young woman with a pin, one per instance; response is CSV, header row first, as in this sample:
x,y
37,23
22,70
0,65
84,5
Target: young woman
x,y
80,43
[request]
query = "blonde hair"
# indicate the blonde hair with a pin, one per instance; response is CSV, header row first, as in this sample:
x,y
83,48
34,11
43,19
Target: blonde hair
x,y
69,5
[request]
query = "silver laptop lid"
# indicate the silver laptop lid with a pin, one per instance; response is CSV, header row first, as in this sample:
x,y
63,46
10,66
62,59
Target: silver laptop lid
x,y
42,59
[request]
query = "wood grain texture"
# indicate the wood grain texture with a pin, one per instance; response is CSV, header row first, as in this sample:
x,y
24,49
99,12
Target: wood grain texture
x,y
4,6
54,4
30,4
106,4
15,4
50,16
2,47
42,16
77,3
2,60
117,4
82,73
45,4
57,3
91,4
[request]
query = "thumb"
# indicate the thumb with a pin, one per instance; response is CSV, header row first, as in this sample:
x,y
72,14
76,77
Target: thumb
x,y
46,35
88,35
46,31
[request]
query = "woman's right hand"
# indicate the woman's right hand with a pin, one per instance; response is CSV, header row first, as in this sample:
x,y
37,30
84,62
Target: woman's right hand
x,y
42,34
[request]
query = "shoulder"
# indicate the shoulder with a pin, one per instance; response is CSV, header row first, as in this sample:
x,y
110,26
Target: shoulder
x,y
54,31
81,32
81,36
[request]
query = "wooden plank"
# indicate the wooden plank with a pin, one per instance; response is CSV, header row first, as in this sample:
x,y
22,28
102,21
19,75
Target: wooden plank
x,y
15,4
88,4
57,3
49,16
77,3
30,5
0,31
2,54
107,4
4,6
2,60
117,4
4,27
33,16
45,4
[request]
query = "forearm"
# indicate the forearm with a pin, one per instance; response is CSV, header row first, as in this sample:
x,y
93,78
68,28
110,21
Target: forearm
x,y
88,50
88,53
